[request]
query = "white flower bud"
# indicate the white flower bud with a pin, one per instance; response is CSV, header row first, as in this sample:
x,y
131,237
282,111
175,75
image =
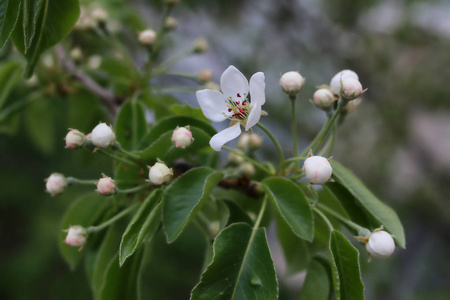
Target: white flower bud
x,y
380,244
235,159
56,184
201,45
246,169
160,173
205,75
351,88
76,54
171,23
94,62
255,141
74,139
323,98
147,37
292,82
76,236
335,84
106,186
102,136
317,169
99,15
182,137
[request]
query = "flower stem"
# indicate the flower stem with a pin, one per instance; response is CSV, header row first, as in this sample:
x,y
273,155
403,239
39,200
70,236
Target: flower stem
x,y
124,160
294,126
342,219
134,189
276,143
73,181
295,159
117,217
257,164
317,211
162,68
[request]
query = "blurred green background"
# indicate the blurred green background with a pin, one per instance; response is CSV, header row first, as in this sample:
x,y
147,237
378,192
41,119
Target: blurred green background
x,y
397,141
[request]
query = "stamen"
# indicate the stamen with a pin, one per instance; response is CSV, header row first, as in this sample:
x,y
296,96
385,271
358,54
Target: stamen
x,y
239,95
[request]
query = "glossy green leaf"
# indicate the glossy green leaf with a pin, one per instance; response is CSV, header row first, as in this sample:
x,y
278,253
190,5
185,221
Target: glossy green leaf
x,y
84,212
317,282
292,205
130,175
44,24
185,196
122,282
242,267
9,13
383,214
145,220
237,214
131,125
9,76
346,273
216,213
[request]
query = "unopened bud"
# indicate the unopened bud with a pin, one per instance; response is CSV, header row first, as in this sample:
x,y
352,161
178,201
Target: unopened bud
x,y
171,23
380,244
99,15
76,236
335,84
255,141
352,105
160,173
317,169
235,159
106,186
351,88
76,54
292,82
147,37
201,45
56,184
182,137
323,99
74,139
246,169
205,75
94,62
102,136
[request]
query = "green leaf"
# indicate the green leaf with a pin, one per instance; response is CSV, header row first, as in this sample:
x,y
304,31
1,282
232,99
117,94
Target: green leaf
x,y
317,282
84,212
292,205
122,282
201,141
9,76
160,105
145,220
237,214
217,214
242,267
383,214
42,131
131,125
9,13
130,175
345,268
185,196
44,24
189,111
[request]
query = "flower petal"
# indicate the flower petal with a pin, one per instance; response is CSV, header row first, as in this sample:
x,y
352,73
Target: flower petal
x,y
257,89
224,136
232,83
253,117
212,104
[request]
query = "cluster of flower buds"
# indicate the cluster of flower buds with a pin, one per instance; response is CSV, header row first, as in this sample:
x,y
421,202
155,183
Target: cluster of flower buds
x,y
182,137
106,186
249,142
317,169
379,243
292,82
159,173
76,236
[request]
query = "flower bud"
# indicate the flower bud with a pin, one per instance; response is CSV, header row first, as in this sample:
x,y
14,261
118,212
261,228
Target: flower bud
x,y
76,236
171,23
147,37
102,136
335,84
201,45
74,139
380,244
182,137
235,159
205,75
160,173
352,105
246,169
351,88
94,62
99,15
32,82
323,99
292,82
106,186
76,54
56,184
317,169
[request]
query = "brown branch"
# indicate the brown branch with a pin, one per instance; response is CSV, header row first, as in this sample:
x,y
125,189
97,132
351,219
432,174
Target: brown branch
x,y
242,184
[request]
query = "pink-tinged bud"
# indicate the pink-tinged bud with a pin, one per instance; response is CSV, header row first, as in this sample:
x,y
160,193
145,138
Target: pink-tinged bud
x,y
351,88
76,236
106,186
182,137
201,45
246,169
317,169
292,82
335,84
74,139
147,37
205,75
56,184
380,244
323,99
102,136
160,173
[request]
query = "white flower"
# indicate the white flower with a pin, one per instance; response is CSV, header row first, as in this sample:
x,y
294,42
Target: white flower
x,y
56,184
233,103
380,244
160,173
335,84
102,136
76,236
317,169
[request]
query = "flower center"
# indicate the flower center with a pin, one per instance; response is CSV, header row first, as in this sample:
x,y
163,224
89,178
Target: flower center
x,y
239,109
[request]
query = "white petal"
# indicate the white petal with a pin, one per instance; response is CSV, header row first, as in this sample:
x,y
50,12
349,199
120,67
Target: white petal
x,y
257,89
212,104
254,117
223,137
232,83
